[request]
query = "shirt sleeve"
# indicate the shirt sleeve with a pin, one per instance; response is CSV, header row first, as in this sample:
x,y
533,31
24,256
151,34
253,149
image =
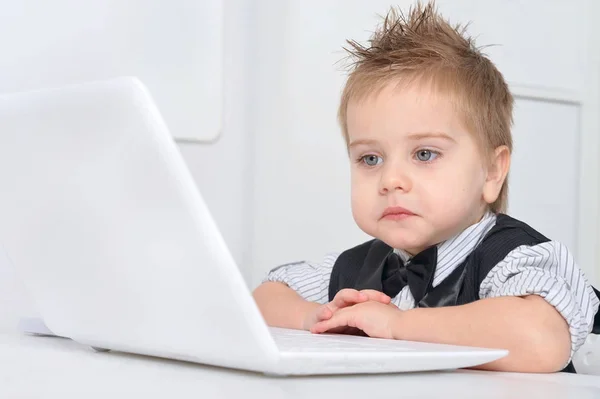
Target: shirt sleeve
x,y
547,270
309,279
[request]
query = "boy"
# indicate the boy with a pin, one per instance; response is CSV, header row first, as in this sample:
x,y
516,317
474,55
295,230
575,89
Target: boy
x,y
427,118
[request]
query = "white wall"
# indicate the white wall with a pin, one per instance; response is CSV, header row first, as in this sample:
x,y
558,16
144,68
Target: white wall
x,y
173,46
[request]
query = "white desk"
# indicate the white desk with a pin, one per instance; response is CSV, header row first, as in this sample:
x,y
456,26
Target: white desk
x,y
32,367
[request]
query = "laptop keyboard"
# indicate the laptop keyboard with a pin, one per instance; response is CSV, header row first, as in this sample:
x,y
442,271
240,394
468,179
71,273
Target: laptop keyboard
x,y
303,341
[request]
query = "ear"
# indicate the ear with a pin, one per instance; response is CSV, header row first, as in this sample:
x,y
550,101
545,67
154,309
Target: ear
x,y
496,174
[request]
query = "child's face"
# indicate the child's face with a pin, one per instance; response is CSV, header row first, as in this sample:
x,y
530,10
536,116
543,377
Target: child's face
x,y
410,149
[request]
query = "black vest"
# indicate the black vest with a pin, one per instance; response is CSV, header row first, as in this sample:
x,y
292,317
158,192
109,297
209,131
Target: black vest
x,y
354,268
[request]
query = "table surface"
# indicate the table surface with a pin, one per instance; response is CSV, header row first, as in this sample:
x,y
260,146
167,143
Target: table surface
x,y
32,366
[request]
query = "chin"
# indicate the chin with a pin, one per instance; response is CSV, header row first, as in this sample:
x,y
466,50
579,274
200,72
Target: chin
x,y
394,241
402,239
394,237
410,247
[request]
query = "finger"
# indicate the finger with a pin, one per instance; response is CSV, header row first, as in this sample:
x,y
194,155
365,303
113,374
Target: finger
x,y
339,330
323,313
332,325
347,297
347,331
340,319
378,296
320,313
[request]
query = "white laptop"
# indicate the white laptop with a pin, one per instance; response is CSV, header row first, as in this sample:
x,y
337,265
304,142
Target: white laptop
x,y
103,222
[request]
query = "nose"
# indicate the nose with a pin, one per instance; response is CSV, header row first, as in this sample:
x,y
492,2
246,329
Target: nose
x,y
395,178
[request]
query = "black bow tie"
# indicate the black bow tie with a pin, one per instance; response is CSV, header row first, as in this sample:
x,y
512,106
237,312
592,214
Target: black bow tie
x,y
390,275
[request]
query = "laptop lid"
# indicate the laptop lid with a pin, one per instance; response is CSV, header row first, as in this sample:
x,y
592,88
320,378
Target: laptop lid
x,y
103,221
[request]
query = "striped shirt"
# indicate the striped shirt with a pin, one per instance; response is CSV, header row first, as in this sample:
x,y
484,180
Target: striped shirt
x,y
546,269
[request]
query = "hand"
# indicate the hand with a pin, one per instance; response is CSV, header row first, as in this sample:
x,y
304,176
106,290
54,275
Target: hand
x,y
343,299
375,319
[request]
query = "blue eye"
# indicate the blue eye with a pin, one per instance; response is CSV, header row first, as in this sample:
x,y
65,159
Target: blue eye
x,y
371,160
426,155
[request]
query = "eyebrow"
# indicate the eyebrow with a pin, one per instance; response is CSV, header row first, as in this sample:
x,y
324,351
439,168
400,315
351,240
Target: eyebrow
x,y
362,142
430,135
412,136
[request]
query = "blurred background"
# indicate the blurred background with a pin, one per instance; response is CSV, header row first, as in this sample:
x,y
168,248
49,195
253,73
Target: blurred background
x,y
250,89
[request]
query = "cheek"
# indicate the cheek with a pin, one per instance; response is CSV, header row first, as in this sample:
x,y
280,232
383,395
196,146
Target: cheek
x,y
453,185
358,197
362,197
468,184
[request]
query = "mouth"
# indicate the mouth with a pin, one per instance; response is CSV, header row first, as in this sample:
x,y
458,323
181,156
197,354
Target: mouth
x,y
396,213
